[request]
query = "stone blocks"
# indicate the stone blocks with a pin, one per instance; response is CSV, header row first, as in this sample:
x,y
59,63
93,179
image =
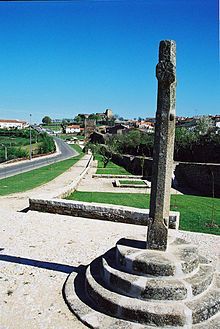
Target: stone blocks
x,y
100,211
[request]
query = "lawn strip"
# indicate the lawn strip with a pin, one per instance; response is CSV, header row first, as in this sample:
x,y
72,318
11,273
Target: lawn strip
x,y
132,182
110,169
196,213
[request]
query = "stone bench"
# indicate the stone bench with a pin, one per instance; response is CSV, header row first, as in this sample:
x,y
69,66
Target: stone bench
x,y
100,211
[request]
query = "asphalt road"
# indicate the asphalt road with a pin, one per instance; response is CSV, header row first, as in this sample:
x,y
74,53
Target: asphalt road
x,y
66,152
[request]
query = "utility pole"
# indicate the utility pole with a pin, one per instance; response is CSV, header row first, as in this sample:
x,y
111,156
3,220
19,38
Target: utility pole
x,y
30,155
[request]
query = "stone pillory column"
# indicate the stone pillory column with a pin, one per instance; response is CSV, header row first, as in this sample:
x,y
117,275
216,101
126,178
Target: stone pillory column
x,y
163,147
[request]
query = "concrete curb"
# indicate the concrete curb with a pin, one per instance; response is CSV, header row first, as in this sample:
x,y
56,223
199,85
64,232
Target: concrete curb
x,y
115,176
119,184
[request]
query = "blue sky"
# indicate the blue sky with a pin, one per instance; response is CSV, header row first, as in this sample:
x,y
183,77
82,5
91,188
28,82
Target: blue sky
x,y
61,58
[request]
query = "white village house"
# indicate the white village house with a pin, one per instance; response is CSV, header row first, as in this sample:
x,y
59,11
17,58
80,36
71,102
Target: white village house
x,y
72,129
11,124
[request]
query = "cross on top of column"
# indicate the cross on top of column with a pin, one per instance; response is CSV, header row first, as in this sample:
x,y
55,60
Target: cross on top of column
x,y
163,146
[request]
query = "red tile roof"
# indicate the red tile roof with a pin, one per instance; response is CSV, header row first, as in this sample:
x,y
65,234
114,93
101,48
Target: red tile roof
x,y
74,126
12,121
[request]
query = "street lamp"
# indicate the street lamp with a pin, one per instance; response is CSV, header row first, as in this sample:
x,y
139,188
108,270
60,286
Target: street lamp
x,y
30,155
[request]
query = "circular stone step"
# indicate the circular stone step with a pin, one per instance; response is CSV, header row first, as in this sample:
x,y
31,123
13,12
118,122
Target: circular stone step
x,y
179,260
143,287
86,312
201,280
145,312
109,294
159,288
206,305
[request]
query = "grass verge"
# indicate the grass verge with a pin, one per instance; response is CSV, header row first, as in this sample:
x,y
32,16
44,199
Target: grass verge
x,y
34,178
196,213
110,169
132,182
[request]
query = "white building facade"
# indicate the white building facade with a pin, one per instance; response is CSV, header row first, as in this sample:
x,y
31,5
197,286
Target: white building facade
x,y
72,129
12,124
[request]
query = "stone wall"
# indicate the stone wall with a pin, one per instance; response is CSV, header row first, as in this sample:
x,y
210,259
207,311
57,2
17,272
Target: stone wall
x,y
116,176
134,164
112,213
199,176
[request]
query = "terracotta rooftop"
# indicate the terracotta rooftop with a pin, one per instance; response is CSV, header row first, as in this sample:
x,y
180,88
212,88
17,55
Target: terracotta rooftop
x,y
73,126
12,121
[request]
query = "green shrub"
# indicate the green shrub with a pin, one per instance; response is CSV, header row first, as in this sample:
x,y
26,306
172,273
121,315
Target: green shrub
x,y
47,144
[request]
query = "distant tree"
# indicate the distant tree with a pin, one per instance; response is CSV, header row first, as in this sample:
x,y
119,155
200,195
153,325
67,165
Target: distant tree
x,y
203,125
46,120
133,139
47,144
95,117
78,119
185,139
63,125
64,122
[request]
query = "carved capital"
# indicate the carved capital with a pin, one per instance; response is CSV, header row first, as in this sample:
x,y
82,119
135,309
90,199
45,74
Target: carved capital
x,y
166,72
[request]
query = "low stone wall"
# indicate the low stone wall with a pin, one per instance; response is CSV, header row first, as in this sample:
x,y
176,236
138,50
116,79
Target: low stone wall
x,y
117,183
112,213
200,177
115,176
134,164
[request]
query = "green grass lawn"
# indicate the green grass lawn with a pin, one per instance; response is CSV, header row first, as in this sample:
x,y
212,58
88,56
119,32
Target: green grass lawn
x,y
110,169
31,179
19,147
195,211
77,148
18,142
34,147
10,141
52,127
132,182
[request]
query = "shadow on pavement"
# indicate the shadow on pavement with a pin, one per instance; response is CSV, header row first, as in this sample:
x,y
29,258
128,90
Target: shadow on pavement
x,y
40,264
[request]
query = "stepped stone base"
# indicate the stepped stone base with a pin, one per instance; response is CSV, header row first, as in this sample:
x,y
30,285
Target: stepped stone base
x,y
133,287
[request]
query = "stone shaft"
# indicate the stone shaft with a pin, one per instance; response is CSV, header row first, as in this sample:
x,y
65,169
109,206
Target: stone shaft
x,y
163,146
